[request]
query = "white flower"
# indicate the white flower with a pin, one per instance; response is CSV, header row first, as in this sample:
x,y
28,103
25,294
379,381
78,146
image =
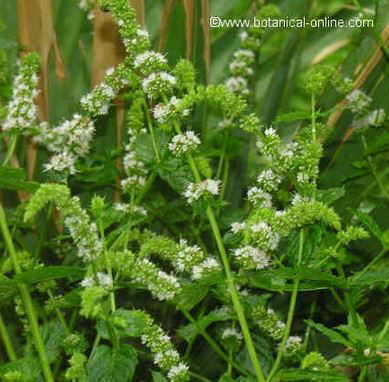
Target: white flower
x,y
259,197
149,57
104,279
183,143
358,101
87,282
158,82
209,265
187,256
237,85
251,258
232,333
237,227
177,370
293,344
268,180
195,191
270,132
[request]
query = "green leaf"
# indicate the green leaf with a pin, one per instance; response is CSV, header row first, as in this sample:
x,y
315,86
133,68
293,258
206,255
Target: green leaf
x,y
294,116
333,335
330,195
129,323
158,377
370,224
53,334
370,277
190,296
277,280
49,273
190,331
112,365
28,366
8,288
15,179
307,375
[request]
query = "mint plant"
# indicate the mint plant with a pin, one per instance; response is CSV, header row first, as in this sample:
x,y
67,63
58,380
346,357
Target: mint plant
x,y
138,265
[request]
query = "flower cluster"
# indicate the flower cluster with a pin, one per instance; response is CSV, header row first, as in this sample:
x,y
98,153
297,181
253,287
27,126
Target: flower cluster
x,y
249,257
83,232
293,345
102,279
359,103
184,143
68,141
165,356
158,84
149,61
175,107
22,113
268,321
232,333
188,256
205,268
134,168
97,102
195,191
162,285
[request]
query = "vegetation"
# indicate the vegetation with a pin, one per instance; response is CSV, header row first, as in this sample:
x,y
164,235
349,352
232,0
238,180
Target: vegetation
x,y
188,203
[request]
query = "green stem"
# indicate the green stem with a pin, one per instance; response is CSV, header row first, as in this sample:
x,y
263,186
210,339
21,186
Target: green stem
x,y
368,266
150,126
11,149
9,348
26,298
230,279
373,169
292,307
313,117
362,374
59,314
212,343
199,377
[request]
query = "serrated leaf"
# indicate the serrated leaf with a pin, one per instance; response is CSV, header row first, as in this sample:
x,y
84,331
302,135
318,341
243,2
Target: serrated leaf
x,y
15,179
132,323
370,277
190,331
330,195
333,335
294,116
49,273
370,224
53,334
308,375
190,296
158,377
112,365
29,367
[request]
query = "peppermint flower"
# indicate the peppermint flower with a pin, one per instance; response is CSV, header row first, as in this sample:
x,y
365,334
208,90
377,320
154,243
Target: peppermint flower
x,y
237,227
150,61
358,101
232,333
195,191
208,266
22,113
158,83
251,258
184,143
268,180
238,85
188,256
293,344
259,197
